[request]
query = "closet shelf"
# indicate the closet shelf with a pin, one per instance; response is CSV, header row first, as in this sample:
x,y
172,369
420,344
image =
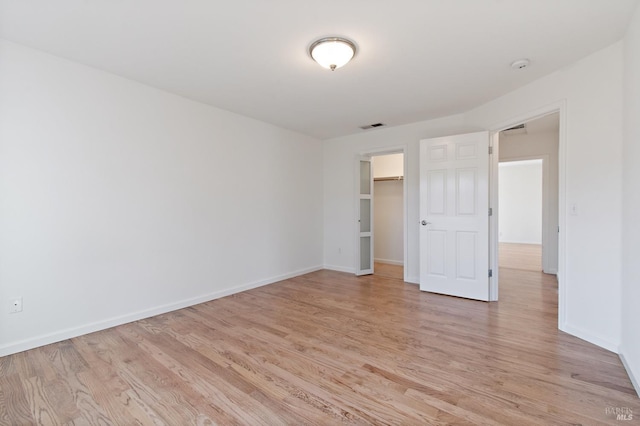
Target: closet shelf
x,y
382,179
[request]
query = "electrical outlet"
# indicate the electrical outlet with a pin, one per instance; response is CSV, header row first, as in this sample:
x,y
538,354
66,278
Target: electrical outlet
x,y
15,305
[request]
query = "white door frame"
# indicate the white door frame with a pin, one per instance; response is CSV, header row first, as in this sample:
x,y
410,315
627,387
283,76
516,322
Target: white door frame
x,y
400,149
561,108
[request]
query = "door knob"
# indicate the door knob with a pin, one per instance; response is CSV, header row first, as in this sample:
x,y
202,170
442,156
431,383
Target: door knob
x,y
425,223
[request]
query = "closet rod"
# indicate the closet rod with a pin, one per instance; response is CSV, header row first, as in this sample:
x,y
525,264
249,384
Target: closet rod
x,y
380,179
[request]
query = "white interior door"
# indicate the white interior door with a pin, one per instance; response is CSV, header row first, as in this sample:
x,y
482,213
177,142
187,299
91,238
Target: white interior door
x,y
454,215
364,215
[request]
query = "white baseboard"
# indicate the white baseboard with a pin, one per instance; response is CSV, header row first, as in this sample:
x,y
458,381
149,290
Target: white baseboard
x,y
552,271
410,280
591,338
390,262
634,380
69,333
340,269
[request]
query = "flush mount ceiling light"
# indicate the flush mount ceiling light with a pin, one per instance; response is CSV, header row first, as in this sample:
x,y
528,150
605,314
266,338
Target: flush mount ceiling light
x,y
332,52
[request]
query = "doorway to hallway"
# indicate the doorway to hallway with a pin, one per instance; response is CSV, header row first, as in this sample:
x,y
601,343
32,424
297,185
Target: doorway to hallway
x,y
520,219
528,195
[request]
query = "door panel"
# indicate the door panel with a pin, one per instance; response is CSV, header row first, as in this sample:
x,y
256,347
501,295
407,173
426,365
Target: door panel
x,y
437,192
437,241
364,215
454,204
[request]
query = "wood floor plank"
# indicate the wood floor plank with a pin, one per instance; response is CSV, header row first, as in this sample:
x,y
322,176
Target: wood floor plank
x,y
41,407
255,367
389,271
520,256
328,348
193,367
14,403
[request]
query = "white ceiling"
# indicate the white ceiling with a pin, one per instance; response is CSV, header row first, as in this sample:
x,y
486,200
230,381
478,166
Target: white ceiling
x,y
417,59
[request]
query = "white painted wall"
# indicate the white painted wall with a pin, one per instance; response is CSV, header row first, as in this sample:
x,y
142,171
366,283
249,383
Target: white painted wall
x,y
520,219
592,90
119,201
545,145
630,347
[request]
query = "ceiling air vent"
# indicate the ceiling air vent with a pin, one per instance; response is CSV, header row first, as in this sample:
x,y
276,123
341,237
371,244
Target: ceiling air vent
x,y
372,126
518,127
515,130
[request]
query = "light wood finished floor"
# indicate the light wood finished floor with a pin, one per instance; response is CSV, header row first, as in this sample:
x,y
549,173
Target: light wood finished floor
x,y
328,348
527,257
388,271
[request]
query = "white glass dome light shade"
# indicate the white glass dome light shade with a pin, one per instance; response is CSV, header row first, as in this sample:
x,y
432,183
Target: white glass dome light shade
x,y
332,52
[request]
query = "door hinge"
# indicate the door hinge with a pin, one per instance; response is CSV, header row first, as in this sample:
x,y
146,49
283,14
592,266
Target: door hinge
x,y
490,150
490,211
490,273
